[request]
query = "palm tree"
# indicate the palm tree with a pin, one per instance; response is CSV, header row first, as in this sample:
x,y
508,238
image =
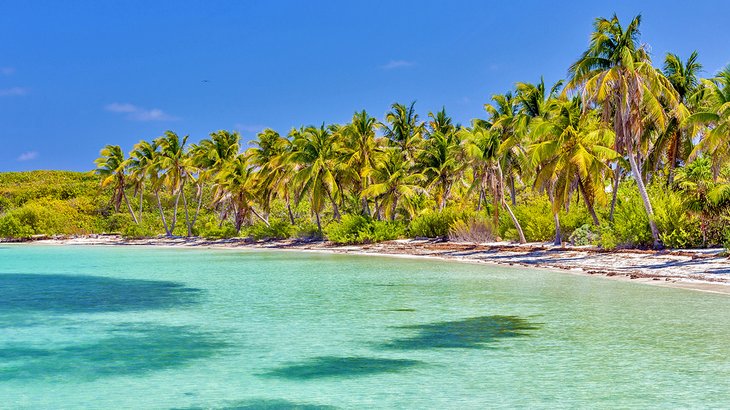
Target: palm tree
x,y
141,162
173,162
358,151
616,72
393,181
441,157
235,191
314,152
266,155
571,151
111,166
483,151
676,141
504,120
404,129
714,114
208,159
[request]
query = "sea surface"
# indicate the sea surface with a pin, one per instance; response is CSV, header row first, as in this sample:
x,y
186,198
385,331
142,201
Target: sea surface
x,y
161,328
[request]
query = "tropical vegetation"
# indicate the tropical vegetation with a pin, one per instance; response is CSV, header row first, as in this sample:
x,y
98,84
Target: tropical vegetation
x,y
626,151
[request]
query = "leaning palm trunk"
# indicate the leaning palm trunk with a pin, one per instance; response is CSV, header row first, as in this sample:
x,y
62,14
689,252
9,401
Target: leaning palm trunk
x,y
558,234
168,231
141,193
129,207
645,199
588,202
509,210
614,194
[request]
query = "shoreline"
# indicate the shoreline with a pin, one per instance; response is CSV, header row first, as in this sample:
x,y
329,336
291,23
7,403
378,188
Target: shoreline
x,y
695,269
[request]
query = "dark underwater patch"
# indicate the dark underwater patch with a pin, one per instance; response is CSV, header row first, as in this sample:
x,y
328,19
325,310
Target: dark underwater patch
x,y
472,333
131,350
334,366
89,294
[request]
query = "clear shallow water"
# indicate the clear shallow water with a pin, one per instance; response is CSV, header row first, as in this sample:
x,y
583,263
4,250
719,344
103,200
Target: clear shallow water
x,y
93,327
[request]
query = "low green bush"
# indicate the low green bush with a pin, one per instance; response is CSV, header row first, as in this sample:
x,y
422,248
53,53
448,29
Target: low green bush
x,y
135,231
475,228
585,235
210,227
277,229
353,229
433,224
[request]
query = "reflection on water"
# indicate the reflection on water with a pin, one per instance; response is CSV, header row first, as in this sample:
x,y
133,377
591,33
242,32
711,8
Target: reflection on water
x,y
333,366
89,294
472,333
132,349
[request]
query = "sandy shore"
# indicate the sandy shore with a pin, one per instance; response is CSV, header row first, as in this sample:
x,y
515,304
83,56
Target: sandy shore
x,y
698,269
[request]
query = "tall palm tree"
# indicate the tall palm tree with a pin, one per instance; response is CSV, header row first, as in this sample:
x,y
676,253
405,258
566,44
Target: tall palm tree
x,y
111,166
265,155
208,159
441,157
713,113
315,152
484,153
173,161
571,151
359,149
676,141
141,162
616,72
504,120
235,191
403,128
393,182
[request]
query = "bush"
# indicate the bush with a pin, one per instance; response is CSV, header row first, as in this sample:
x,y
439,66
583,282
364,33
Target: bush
x,y
630,224
211,228
433,224
607,237
12,228
535,216
584,235
359,229
141,231
277,229
475,228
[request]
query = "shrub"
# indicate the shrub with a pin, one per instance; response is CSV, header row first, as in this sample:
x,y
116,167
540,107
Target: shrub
x,y
433,224
12,228
346,230
607,237
631,225
379,231
211,228
584,235
277,229
535,216
134,231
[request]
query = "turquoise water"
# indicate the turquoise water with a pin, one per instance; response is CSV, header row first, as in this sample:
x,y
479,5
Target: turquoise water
x,y
118,327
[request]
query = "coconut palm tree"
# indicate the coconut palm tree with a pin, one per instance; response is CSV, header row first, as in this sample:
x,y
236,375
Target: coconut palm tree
x,y
440,157
571,151
112,167
235,191
265,156
616,72
403,128
393,183
713,113
208,158
676,141
315,152
482,147
358,152
141,162
504,120
174,164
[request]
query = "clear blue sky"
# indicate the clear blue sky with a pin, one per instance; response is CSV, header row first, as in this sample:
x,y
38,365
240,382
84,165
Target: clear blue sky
x,y
76,75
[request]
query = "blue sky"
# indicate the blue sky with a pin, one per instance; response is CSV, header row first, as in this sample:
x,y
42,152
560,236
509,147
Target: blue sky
x,y
76,75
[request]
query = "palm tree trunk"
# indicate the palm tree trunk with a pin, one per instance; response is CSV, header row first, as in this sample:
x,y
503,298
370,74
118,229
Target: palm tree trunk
x,y
509,210
187,216
197,209
260,217
162,214
174,213
335,208
319,224
588,203
614,194
645,198
129,207
393,208
512,192
288,208
141,193
558,234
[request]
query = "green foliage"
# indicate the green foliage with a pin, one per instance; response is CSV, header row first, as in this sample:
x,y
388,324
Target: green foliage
x,y
584,235
210,227
277,229
433,224
12,228
359,229
141,231
607,237
631,224
535,215
679,228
